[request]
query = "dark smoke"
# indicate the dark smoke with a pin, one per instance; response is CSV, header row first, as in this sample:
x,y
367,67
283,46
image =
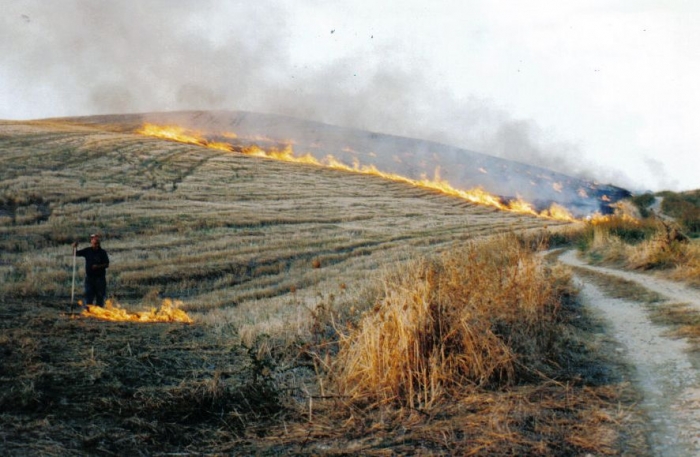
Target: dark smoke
x,y
103,57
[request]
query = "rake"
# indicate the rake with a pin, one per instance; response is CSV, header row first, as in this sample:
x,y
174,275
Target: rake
x,y
72,292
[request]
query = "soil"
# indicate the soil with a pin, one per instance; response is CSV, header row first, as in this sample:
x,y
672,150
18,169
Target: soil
x,y
666,371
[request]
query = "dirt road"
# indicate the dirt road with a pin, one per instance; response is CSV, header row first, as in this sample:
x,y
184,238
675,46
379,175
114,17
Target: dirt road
x,y
667,373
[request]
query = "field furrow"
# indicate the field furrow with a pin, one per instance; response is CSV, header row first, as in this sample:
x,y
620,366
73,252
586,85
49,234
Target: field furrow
x,y
215,228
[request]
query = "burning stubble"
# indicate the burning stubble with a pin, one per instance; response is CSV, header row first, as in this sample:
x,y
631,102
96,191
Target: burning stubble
x,y
476,195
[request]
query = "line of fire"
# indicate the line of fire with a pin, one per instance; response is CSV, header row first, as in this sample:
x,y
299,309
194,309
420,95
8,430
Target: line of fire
x,y
283,150
248,146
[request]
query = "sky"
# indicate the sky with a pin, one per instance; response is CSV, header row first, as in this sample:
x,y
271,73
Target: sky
x,y
602,89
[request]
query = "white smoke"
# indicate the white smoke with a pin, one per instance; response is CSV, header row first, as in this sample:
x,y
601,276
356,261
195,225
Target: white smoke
x,y
104,57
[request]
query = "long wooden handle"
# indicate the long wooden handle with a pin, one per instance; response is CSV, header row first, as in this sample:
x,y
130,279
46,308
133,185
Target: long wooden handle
x,y
72,292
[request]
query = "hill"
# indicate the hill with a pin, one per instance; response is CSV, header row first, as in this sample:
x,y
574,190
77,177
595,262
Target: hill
x,y
412,158
274,261
212,228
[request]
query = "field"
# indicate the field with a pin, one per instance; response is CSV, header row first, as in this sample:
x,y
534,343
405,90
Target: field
x,y
277,263
216,230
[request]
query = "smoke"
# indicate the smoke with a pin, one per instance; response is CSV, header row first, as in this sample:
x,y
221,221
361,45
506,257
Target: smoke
x,y
102,57
108,57
658,169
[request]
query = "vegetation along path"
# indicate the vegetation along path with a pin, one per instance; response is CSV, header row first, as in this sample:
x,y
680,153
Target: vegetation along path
x,y
666,365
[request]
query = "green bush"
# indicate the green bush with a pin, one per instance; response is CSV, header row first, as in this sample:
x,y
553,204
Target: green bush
x,y
643,202
685,207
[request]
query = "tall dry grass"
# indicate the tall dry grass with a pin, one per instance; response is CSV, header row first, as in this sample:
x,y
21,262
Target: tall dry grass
x,y
481,315
647,244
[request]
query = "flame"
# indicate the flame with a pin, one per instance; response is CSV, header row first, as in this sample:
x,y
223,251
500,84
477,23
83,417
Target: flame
x,y
168,312
597,218
476,195
181,135
558,212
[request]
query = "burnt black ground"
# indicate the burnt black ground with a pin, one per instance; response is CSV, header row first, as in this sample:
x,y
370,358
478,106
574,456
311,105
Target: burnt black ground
x,y
73,385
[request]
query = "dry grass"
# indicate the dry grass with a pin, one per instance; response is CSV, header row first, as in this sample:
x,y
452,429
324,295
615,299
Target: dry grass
x,y
683,319
455,359
546,420
689,270
642,245
476,316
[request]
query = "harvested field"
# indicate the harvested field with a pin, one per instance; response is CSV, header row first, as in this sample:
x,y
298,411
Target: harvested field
x,y
272,260
214,229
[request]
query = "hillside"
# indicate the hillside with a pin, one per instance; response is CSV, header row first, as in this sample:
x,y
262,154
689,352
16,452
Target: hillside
x,y
211,228
409,157
282,266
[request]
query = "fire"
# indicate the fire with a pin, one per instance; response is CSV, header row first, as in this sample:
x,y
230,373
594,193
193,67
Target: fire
x,y
476,195
597,218
168,312
182,135
558,212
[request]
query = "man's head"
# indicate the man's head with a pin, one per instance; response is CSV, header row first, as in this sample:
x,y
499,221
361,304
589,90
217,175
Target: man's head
x,y
95,240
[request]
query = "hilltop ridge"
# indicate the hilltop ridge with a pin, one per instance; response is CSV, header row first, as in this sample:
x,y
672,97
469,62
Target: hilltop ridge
x,y
413,158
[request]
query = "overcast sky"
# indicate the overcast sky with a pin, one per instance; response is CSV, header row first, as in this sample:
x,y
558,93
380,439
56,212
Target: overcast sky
x,y
605,89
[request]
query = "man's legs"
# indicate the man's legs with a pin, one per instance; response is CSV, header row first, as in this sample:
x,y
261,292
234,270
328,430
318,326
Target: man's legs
x,y
100,291
89,291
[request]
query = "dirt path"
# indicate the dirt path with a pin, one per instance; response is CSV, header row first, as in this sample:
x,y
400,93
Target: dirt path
x,y
666,373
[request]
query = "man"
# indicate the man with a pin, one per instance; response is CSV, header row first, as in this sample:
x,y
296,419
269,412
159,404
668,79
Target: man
x,y
96,264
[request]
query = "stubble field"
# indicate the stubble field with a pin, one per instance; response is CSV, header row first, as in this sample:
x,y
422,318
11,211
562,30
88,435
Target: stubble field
x,y
213,229
269,258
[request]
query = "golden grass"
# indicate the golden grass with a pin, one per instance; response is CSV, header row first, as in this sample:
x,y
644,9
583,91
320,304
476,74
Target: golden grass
x,y
213,229
689,270
642,245
475,316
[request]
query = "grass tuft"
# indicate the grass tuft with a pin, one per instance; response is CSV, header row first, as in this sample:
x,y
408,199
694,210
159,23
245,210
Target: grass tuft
x,y
477,316
648,244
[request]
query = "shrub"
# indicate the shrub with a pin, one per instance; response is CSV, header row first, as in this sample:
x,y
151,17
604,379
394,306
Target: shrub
x,y
627,229
643,202
685,208
616,240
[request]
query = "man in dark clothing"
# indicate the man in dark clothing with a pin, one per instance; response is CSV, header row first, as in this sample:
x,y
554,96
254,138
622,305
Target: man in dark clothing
x,y
96,264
